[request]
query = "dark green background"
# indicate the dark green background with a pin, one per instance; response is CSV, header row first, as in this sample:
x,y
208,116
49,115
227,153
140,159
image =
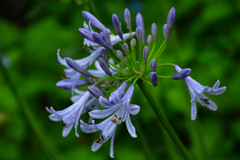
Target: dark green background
x,y
205,38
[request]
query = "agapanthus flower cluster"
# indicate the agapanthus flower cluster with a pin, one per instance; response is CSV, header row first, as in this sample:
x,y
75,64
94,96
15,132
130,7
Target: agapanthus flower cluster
x,y
111,84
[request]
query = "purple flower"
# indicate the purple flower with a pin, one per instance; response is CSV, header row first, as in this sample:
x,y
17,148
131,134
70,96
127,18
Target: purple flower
x,y
167,28
95,91
99,72
127,17
103,39
104,66
149,39
153,65
133,43
171,17
196,91
117,25
71,63
84,62
154,78
182,74
154,31
93,20
95,43
119,54
67,83
145,54
119,110
71,115
125,48
139,33
140,23
166,32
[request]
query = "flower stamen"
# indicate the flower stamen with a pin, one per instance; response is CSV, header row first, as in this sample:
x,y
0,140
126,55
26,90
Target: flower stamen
x,y
63,124
205,100
114,120
99,138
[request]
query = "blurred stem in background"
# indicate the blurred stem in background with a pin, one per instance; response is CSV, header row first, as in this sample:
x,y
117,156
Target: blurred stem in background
x,y
46,141
163,120
90,7
144,141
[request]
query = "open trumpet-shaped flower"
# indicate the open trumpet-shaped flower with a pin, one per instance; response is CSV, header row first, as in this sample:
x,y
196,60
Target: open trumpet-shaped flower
x,y
196,91
71,115
83,63
119,110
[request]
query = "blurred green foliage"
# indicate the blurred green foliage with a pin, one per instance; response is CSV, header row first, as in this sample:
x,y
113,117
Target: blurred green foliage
x,y
205,38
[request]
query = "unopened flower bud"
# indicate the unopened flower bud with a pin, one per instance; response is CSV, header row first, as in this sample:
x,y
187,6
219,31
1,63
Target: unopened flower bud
x,y
127,17
95,91
104,66
98,39
71,63
139,33
133,43
154,78
145,54
86,34
166,32
92,80
117,25
149,39
125,48
119,54
104,54
182,74
153,65
93,20
154,31
140,23
106,36
171,18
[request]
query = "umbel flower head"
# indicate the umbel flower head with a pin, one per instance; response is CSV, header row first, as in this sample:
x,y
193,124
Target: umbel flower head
x,y
118,70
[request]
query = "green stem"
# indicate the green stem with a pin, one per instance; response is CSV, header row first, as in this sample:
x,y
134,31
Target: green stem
x,y
111,54
45,140
112,85
159,52
160,65
130,30
135,80
140,53
146,81
165,64
161,117
92,7
152,50
129,79
169,77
